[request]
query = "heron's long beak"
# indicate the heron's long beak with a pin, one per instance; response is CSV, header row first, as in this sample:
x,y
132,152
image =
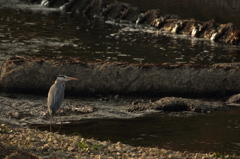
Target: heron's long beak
x,y
71,78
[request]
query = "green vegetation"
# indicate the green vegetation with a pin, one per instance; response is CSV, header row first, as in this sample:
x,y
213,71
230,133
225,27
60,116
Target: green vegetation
x,y
223,156
5,129
86,147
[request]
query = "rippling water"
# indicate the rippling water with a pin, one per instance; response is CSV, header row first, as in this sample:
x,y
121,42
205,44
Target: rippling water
x,y
38,31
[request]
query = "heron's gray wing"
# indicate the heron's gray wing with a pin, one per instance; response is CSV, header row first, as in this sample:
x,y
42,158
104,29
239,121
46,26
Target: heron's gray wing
x,y
55,97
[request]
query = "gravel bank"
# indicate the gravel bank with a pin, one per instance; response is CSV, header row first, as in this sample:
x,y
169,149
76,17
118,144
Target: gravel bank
x,y
24,142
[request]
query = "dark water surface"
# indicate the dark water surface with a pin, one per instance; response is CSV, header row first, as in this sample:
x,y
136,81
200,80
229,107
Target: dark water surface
x,y
214,132
38,31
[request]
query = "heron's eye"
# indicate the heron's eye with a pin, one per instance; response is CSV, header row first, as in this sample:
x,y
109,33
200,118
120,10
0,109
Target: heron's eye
x,y
63,76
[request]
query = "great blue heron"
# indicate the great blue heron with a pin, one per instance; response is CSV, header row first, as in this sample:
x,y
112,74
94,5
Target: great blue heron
x,y
56,95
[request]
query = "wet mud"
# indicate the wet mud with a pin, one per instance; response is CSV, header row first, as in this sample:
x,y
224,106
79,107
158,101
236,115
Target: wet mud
x,y
26,110
119,11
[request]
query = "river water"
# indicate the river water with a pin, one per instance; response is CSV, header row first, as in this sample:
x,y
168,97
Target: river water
x,y
213,132
32,30
38,31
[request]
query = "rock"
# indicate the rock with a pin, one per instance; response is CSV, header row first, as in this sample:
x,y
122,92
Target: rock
x,y
105,143
70,148
116,10
58,155
149,16
22,155
177,104
235,99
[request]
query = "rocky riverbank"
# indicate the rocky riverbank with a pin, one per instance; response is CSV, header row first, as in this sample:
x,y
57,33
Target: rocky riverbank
x,y
28,143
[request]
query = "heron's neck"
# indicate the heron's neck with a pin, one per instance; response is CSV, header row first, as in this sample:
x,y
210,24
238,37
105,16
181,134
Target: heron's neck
x,y
58,81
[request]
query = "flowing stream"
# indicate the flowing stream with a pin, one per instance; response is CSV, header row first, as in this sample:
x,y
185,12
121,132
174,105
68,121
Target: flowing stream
x,y
34,30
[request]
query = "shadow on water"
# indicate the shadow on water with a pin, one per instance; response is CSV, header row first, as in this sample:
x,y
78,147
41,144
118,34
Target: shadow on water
x,y
214,132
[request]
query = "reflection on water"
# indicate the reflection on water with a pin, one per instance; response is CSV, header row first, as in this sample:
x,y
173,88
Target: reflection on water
x,y
214,132
47,32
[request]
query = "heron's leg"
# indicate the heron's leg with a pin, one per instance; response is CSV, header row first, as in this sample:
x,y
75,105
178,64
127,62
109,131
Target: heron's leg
x,y
50,123
59,112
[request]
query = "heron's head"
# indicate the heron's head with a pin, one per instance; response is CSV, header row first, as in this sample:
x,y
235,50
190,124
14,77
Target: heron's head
x,y
64,78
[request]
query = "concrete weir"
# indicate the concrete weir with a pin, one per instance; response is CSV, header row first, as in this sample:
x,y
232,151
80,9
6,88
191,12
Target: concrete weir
x,y
173,24
35,75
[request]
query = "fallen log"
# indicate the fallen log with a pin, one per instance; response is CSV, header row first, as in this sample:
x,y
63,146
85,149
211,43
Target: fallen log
x,y
36,75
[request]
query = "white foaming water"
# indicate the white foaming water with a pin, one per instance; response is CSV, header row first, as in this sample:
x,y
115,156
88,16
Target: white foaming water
x,y
25,6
